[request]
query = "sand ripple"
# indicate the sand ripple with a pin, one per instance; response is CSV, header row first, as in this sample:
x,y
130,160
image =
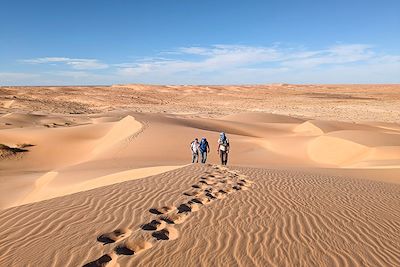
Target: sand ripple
x,y
285,218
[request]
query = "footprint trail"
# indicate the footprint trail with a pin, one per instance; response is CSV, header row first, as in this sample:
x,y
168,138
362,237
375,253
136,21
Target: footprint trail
x,y
214,185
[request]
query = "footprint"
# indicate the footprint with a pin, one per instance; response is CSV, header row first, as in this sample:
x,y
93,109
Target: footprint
x,y
243,185
200,200
224,169
175,218
236,187
199,186
105,260
162,210
168,233
246,182
210,190
114,236
211,196
228,181
225,191
193,193
220,195
188,207
154,225
208,182
131,247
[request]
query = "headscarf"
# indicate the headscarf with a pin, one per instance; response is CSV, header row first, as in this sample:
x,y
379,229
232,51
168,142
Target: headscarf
x,y
222,136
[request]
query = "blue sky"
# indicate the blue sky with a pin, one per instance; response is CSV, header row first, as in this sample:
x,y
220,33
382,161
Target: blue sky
x,y
199,42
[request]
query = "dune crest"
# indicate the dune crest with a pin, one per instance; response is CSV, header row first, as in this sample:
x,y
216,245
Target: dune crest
x,y
8,104
43,189
120,131
308,128
336,151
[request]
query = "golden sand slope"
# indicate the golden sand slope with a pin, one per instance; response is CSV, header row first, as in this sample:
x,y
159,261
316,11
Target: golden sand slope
x,y
283,218
76,184
43,170
115,147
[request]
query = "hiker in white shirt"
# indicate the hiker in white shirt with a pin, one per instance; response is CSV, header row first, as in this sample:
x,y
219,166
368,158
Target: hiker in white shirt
x,y
194,147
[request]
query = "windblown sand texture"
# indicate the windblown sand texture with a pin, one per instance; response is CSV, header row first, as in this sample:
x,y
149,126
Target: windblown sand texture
x,y
100,176
283,218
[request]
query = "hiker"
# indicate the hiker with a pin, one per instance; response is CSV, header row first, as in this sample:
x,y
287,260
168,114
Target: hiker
x,y
204,149
194,147
223,148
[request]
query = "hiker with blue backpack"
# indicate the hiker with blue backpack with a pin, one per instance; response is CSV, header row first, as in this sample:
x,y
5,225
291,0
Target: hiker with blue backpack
x,y
204,149
223,148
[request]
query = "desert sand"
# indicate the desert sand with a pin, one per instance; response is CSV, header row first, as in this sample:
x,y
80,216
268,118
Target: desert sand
x,y
101,176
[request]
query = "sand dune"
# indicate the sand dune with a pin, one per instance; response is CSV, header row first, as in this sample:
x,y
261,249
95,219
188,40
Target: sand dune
x,y
78,144
345,152
318,127
283,218
43,189
120,131
114,144
102,179
262,118
359,103
8,104
13,120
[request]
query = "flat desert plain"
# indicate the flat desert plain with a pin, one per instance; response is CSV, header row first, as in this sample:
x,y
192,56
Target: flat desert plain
x,y
102,176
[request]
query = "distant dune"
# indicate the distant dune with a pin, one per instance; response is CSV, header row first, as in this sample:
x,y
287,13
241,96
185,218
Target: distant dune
x,y
353,103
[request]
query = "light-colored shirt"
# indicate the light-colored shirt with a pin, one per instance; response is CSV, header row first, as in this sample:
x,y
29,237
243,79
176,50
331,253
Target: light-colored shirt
x,y
222,146
195,146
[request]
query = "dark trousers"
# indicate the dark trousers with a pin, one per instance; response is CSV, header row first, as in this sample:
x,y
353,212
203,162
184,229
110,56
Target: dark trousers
x,y
203,156
224,157
195,157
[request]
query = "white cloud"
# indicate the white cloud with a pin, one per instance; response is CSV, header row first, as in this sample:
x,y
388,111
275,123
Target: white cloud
x,y
75,63
340,54
261,63
227,64
215,58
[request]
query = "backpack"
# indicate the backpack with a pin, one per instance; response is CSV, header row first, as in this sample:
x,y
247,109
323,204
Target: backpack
x,y
223,144
203,145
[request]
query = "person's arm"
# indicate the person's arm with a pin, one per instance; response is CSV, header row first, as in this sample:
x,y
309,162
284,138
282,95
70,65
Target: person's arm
x,y
208,148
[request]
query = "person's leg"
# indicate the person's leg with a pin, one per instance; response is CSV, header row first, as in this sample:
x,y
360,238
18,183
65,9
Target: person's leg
x,y
193,157
221,154
204,159
226,158
197,157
